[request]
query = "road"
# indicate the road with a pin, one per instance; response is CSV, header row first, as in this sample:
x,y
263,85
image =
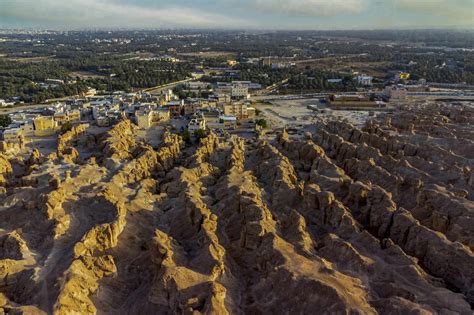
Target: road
x,y
153,90
264,98
161,88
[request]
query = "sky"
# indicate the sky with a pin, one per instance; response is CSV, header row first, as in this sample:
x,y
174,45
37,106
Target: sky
x,y
237,14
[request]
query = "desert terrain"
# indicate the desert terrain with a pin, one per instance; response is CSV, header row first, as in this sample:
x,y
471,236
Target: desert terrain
x,y
369,219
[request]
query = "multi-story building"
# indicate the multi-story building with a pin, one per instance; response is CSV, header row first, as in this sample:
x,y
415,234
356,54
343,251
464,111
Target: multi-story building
x,y
191,107
12,135
223,98
196,124
238,110
44,125
144,119
168,95
27,127
161,114
240,91
364,80
72,116
395,93
176,108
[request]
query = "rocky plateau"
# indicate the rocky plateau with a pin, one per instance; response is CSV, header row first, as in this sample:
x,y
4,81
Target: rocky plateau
x,y
345,220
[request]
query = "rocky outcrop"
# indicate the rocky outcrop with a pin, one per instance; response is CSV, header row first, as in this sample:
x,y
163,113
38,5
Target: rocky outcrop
x,y
371,220
80,281
65,140
6,169
119,142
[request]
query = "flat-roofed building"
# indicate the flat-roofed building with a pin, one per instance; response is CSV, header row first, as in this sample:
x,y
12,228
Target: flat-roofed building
x,y
161,114
176,108
103,121
196,123
44,125
240,91
144,119
354,101
13,135
238,110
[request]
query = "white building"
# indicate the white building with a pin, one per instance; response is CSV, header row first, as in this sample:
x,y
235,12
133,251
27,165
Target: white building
x,y
144,119
395,93
240,91
4,103
12,135
238,110
161,114
364,80
196,124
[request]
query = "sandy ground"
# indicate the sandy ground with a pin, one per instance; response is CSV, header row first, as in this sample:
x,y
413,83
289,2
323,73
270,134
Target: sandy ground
x,y
151,136
294,113
45,145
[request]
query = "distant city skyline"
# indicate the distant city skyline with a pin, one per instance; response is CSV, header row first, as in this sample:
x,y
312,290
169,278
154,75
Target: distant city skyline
x,y
237,14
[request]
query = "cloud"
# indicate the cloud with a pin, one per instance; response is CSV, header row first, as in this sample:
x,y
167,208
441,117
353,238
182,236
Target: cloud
x,y
248,14
458,11
111,14
303,7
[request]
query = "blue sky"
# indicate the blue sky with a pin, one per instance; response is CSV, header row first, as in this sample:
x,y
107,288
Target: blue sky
x,y
241,14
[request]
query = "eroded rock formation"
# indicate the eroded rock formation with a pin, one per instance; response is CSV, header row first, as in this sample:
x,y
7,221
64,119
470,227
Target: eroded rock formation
x,y
376,220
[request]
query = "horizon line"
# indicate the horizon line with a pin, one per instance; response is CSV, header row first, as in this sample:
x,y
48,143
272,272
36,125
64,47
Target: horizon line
x,y
97,29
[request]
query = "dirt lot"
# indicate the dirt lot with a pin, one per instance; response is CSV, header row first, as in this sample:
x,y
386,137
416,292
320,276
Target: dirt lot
x,y
85,75
294,113
209,54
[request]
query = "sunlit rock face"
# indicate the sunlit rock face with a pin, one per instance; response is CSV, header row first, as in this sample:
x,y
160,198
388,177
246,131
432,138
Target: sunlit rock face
x,y
377,220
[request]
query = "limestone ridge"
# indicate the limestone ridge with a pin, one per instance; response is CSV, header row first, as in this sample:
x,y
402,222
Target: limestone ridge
x,y
372,220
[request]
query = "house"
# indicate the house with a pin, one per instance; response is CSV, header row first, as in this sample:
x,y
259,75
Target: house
x,y
395,93
196,124
353,102
198,73
90,92
27,127
4,103
364,80
144,118
176,108
240,91
222,122
12,135
251,112
191,107
238,110
103,121
44,126
161,114
169,96
229,121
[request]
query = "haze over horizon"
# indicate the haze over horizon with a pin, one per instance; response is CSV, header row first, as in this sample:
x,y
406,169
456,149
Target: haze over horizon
x,y
242,14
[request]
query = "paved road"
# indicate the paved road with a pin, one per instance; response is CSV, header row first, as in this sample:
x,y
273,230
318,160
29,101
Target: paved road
x,y
161,88
287,97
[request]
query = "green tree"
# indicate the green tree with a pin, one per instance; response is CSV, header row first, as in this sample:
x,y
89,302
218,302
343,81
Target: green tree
x,y
5,120
186,136
262,123
66,127
200,133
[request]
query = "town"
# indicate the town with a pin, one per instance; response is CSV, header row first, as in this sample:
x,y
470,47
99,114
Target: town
x,y
235,172
233,107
